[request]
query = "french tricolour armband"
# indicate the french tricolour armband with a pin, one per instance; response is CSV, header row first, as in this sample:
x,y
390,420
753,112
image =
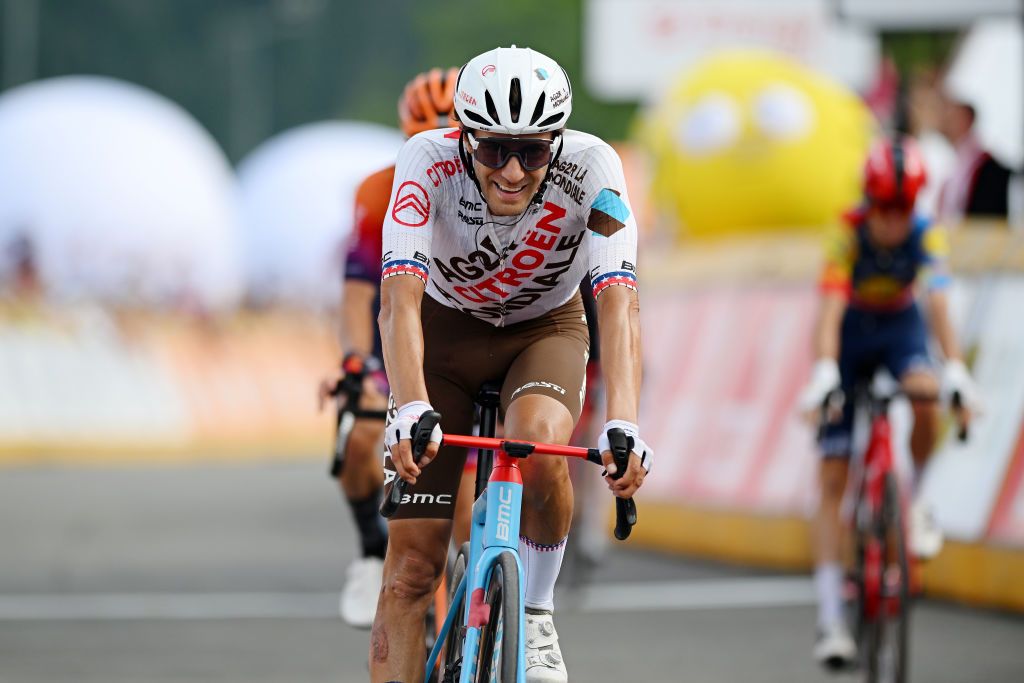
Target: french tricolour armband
x,y
623,278
405,267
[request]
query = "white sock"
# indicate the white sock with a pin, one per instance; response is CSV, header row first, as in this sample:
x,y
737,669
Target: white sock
x,y
541,564
828,584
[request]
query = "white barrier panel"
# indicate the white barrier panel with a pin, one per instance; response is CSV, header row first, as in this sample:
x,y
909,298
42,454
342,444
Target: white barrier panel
x,y
965,479
724,366
84,382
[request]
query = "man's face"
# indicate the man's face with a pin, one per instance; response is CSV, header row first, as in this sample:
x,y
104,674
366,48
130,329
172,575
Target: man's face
x,y
509,189
956,121
889,226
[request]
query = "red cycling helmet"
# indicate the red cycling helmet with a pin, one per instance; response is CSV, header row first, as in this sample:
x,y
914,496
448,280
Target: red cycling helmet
x,y
894,173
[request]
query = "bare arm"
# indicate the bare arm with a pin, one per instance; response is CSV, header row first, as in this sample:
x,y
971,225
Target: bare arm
x,y
941,325
830,319
401,332
402,335
357,317
618,312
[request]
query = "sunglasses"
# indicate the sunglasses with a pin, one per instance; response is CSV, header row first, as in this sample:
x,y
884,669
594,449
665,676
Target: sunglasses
x,y
533,153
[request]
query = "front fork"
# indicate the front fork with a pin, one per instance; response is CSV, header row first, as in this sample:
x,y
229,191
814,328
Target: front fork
x,y
494,529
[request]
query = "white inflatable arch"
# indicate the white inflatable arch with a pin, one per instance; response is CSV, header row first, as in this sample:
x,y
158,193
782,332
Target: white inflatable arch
x,y
297,191
122,195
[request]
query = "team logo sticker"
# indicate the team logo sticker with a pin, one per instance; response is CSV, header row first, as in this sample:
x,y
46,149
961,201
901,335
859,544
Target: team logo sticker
x,y
412,205
608,213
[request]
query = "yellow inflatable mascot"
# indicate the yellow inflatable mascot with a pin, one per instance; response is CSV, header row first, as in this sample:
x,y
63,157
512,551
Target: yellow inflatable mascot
x,y
751,141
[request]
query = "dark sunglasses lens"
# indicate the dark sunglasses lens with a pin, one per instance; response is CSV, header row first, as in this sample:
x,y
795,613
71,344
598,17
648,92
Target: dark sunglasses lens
x,y
535,155
532,155
491,154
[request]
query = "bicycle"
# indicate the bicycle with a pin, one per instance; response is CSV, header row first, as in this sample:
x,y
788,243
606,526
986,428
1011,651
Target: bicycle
x,y
882,579
489,643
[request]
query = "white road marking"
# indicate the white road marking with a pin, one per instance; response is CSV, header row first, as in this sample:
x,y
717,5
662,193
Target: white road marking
x,y
167,606
773,591
740,593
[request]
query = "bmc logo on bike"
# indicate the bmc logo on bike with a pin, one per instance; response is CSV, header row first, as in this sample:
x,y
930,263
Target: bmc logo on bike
x,y
427,498
504,513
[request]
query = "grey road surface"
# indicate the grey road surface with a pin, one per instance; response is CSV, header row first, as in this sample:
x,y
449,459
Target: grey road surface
x,y
230,573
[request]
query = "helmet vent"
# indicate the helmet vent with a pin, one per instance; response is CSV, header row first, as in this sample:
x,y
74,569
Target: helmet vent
x,y
476,118
492,111
551,120
515,99
538,110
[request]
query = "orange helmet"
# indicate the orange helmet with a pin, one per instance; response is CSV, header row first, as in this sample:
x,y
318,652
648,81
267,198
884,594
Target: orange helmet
x,y
428,102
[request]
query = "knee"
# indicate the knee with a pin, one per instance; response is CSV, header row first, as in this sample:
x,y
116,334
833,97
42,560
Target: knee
x,y
542,429
544,478
413,576
922,384
364,441
538,418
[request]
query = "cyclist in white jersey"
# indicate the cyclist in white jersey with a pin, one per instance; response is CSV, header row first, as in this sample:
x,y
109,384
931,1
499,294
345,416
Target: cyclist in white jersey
x,y
498,221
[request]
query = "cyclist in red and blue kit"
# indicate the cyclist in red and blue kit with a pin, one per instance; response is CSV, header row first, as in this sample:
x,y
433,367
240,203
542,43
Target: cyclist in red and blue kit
x,y
876,266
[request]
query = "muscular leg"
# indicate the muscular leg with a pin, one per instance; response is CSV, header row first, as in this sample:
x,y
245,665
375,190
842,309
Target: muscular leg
x,y
926,416
547,492
362,475
412,570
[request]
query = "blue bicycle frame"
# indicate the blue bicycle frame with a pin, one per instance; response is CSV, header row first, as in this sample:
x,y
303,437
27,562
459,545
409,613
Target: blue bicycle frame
x,y
495,529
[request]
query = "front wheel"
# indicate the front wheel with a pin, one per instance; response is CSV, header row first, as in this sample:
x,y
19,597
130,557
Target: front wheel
x,y
450,665
499,642
886,636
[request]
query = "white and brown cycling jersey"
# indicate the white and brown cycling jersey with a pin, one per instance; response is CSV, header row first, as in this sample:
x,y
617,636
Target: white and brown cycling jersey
x,y
497,268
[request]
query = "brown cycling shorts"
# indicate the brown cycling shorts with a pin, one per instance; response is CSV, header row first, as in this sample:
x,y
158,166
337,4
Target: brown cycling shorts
x,y
546,355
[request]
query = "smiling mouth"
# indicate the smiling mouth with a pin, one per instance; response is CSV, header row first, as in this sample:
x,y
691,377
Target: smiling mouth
x,y
509,192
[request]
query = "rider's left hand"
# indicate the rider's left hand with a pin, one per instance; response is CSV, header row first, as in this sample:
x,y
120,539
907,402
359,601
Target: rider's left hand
x,y
956,381
641,457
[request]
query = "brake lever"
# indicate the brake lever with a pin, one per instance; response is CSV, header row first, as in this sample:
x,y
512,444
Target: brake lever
x,y
625,508
420,434
831,407
957,402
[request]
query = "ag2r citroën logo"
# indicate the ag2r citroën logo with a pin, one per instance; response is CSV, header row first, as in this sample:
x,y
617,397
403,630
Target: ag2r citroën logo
x,y
412,205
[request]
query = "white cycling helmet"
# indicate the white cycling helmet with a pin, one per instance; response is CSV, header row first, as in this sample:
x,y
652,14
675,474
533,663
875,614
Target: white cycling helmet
x,y
513,90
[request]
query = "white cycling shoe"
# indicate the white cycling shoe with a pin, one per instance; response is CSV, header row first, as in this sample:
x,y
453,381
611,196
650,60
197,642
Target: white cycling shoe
x,y
358,604
835,648
926,537
544,662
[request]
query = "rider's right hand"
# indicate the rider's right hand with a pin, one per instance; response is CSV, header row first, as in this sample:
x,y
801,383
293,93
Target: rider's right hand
x,y
398,435
824,380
